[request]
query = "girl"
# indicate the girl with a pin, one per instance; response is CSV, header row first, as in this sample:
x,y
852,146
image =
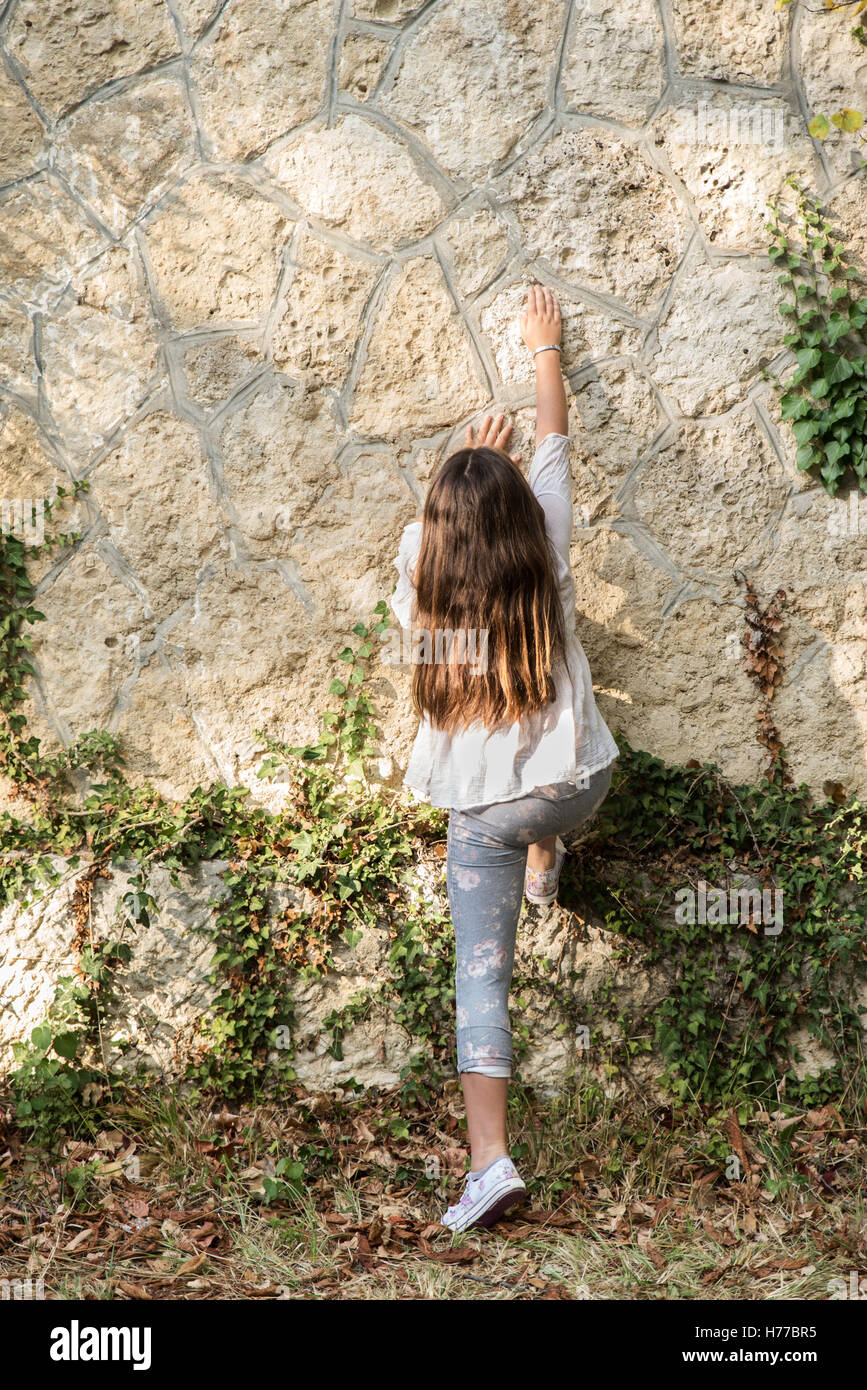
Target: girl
x,y
511,739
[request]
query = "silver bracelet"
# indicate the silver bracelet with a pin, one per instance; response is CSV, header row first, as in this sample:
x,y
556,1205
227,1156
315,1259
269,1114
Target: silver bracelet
x,y
547,347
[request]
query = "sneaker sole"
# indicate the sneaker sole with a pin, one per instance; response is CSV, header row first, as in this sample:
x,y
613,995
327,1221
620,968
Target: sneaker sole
x,y
498,1208
540,902
509,1200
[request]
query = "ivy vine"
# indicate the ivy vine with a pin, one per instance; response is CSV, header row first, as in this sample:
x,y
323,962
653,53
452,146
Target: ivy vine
x,y
825,398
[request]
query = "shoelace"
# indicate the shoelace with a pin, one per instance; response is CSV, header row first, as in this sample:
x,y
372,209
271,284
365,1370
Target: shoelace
x,y
466,1199
455,1210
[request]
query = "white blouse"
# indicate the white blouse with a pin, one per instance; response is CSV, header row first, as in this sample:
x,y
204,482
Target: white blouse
x,y
568,740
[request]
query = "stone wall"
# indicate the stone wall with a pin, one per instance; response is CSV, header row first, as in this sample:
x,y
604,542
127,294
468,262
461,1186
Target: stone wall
x,y
261,261
166,988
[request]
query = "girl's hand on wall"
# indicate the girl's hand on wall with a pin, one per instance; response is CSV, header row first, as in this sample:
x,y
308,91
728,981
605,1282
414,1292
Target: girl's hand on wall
x,y
493,434
540,318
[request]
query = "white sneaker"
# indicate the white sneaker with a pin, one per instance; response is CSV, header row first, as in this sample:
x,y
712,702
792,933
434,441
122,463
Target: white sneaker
x,y
487,1198
540,885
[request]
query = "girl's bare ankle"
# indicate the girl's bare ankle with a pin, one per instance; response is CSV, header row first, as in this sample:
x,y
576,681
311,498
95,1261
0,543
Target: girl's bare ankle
x,y
541,856
481,1159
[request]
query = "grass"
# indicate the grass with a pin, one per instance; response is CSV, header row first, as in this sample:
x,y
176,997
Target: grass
x,y
177,1199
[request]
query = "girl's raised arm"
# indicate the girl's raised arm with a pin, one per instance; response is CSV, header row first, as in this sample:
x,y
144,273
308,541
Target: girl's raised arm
x,y
541,328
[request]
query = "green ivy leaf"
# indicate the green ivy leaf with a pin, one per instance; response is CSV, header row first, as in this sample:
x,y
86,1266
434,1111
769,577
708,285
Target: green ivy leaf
x,y
805,429
66,1045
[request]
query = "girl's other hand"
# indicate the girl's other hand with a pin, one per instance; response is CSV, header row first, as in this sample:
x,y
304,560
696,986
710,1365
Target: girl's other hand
x,y
540,318
493,434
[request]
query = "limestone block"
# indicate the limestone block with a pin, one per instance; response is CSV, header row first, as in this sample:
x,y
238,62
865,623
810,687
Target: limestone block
x,y
722,326
165,984
587,335
821,710
17,368
815,1057
732,155
601,215
818,556
87,646
766,400
385,11
69,48
620,591
44,239
353,177
163,990
260,72
277,462
122,151
477,245
29,479
25,467
614,418
713,496
164,521
375,1047
244,647
417,339
215,249
362,59
848,216
157,728
473,77
347,566
114,284
833,71
22,131
216,365
422,464
97,370
390,688
731,40
321,311
614,61
585,956
35,949
194,14
667,676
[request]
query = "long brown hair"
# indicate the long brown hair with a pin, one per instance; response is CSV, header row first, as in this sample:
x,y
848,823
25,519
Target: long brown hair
x,y
485,565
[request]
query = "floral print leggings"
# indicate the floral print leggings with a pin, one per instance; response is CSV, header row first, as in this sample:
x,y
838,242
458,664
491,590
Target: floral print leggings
x,y
487,857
